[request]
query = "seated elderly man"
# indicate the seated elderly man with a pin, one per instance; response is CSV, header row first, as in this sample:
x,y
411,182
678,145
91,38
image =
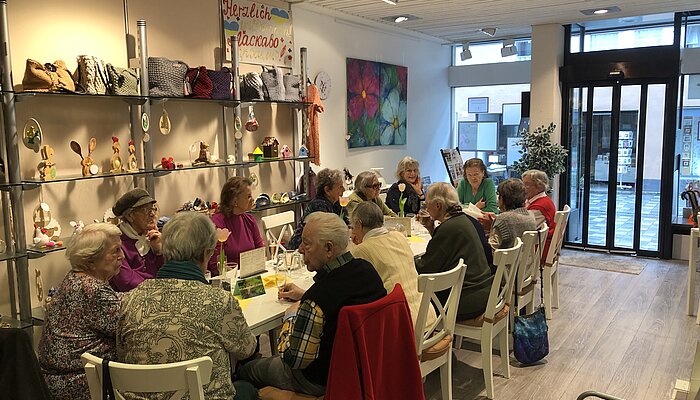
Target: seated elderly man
x,y
389,253
306,340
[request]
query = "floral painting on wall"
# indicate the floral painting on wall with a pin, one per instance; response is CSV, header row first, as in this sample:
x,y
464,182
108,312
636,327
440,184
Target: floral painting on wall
x,y
377,95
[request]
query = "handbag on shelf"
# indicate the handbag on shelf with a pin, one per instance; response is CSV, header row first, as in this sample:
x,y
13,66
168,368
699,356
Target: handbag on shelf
x,y
123,81
49,77
292,87
530,339
274,83
222,84
199,82
90,77
166,78
252,87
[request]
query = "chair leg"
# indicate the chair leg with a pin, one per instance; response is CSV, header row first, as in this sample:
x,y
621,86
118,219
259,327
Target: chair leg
x,y
547,292
457,344
446,377
486,360
697,321
505,351
555,288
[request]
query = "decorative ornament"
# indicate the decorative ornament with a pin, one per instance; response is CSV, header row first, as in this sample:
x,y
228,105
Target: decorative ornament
x,y
116,158
77,226
145,125
46,225
32,135
46,167
131,163
286,151
39,286
323,83
164,122
252,124
87,163
204,157
254,178
257,154
238,135
303,151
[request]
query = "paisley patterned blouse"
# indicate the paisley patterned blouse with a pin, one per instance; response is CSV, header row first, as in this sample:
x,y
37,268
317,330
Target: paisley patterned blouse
x,y
81,318
170,320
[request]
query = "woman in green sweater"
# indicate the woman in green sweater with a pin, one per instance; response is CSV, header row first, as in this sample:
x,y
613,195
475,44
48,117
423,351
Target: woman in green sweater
x,y
477,188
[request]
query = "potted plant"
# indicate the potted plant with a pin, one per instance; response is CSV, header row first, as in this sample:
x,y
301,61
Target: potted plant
x,y
538,152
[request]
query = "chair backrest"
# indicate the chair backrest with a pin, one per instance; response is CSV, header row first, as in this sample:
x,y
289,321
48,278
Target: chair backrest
x,y
561,218
180,377
271,222
506,261
530,256
444,325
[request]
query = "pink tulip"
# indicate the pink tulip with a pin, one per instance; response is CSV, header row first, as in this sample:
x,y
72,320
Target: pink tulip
x,y
222,234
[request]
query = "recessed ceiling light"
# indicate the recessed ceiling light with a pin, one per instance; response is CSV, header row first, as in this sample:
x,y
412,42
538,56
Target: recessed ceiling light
x,y
601,11
400,18
397,19
488,31
392,2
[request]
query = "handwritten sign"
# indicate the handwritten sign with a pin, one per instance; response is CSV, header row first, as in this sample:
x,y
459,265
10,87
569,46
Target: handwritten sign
x,y
264,32
252,262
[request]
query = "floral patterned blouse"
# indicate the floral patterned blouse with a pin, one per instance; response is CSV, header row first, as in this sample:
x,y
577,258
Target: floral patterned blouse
x,y
168,320
82,317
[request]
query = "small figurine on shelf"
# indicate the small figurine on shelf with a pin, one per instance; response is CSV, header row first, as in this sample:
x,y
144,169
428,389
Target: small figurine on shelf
x,y
167,163
41,239
116,158
77,227
46,167
286,152
257,154
131,163
88,164
270,147
44,220
231,159
303,151
203,155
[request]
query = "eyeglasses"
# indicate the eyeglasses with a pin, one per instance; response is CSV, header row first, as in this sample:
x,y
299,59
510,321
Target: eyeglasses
x,y
147,210
476,175
375,186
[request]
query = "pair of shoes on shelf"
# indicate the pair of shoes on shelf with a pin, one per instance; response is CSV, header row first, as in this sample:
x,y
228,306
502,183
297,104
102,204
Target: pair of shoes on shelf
x,y
280,198
262,201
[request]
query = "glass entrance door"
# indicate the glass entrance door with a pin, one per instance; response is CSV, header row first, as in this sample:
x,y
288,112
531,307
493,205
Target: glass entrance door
x,y
616,133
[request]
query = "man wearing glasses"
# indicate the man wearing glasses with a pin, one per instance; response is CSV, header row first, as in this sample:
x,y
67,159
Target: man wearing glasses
x,y
141,242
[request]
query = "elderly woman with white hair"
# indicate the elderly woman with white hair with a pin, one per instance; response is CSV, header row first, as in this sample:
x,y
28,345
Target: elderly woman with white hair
x,y
367,188
456,237
82,317
538,203
514,218
178,316
409,186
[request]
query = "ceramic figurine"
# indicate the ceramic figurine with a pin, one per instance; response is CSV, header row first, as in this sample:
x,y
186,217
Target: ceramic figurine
x,y
41,239
43,219
286,152
47,168
303,151
131,163
231,159
87,163
258,154
116,158
77,227
203,155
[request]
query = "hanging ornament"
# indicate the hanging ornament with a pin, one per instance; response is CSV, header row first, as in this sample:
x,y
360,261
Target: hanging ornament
x,y
145,124
252,124
32,135
238,125
164,123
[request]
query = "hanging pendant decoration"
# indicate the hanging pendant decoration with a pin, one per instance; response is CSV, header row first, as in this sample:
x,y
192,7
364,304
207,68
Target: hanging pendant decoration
x,y
238,125
252,124
145,124
164,123
32,135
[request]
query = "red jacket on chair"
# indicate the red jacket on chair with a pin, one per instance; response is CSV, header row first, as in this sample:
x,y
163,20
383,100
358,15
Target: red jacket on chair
x,y
374,354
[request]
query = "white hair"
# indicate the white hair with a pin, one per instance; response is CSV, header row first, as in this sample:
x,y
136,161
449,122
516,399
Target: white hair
x,y
187,236
443,193
368,214
539,177
85,247
406,163
330,228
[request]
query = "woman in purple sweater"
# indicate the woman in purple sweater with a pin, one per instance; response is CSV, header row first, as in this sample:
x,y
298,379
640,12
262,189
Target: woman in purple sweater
x,y
140,240
236,201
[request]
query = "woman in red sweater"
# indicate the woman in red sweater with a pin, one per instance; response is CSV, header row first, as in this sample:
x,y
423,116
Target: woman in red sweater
x,y
536,184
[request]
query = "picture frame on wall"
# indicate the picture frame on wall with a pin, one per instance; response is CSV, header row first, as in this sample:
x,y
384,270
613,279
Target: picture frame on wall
x,y
478,105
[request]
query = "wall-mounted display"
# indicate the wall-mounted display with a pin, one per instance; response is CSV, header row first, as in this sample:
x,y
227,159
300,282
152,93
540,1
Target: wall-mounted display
x,y
478,105
377,103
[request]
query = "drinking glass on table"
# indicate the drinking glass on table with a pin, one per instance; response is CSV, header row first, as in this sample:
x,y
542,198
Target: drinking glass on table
x,y
281,269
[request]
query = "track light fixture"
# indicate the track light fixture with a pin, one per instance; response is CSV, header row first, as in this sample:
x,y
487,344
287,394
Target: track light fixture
x,y
465,54
509,48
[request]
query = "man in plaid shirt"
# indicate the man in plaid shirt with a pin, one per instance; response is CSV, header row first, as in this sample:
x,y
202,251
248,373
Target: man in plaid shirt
x,y
306,340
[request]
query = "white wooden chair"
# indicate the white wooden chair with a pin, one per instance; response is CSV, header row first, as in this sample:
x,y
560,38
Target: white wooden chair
x,y
272,222
528,270
494,321
434,345
551,265
180,377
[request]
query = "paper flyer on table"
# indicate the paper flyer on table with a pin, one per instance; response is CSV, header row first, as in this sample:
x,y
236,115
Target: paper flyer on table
x,y
472,211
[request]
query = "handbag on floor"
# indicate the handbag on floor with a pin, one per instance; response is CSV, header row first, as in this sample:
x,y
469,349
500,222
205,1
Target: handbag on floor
x,y
530,339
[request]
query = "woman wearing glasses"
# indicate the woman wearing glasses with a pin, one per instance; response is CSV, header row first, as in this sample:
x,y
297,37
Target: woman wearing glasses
x,y
140,239
367,188
408,187
477,188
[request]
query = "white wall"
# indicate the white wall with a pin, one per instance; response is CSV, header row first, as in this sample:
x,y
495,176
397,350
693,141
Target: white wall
x,y
330,42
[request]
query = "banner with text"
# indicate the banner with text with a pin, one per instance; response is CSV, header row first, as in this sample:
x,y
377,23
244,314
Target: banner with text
x,y
264,32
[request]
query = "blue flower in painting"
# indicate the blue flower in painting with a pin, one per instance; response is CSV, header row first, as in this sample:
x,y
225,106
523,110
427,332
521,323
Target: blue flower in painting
x,y
393,119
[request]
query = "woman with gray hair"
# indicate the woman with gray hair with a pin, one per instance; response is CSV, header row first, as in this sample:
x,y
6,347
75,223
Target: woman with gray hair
x,y
409,186
178,316
538,203
82,314
329,188
514,218
455,238
367,188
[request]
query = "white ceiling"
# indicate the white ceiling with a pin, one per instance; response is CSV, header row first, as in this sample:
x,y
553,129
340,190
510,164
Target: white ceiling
x,y
459,20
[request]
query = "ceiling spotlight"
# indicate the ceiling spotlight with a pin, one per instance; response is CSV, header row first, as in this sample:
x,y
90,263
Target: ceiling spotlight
x,y
601,11
392,2
509,48
465,54
401,18
487,31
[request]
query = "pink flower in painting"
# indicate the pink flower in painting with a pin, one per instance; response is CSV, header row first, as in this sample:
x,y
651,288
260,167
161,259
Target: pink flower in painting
x,y
363,86
402,73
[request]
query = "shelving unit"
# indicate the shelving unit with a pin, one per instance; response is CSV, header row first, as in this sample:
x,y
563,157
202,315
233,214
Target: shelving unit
x,y
11,191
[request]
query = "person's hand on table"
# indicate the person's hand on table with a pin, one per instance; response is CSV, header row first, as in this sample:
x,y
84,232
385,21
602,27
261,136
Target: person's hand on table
x,y
290,292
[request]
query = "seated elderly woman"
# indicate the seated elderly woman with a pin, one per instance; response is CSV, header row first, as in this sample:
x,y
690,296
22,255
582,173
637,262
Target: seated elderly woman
x,y
367,188
539,204
476,187
514,218
389,253
82,317
140,239
236,200
408,175
190,318
329,188
455,238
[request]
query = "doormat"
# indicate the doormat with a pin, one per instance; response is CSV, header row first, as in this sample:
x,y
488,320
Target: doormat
x,y
602,261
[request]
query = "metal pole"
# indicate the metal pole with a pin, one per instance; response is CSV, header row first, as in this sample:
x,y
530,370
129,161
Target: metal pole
x,y
134,117
304,114
236,65
13,168
146,107
224,111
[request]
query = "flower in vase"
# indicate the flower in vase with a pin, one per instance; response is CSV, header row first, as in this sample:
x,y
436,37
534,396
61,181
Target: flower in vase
x,y
402,200
222,234
344,201
402,187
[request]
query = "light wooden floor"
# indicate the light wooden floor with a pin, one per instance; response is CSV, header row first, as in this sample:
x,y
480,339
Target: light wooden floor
x,y
626,335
